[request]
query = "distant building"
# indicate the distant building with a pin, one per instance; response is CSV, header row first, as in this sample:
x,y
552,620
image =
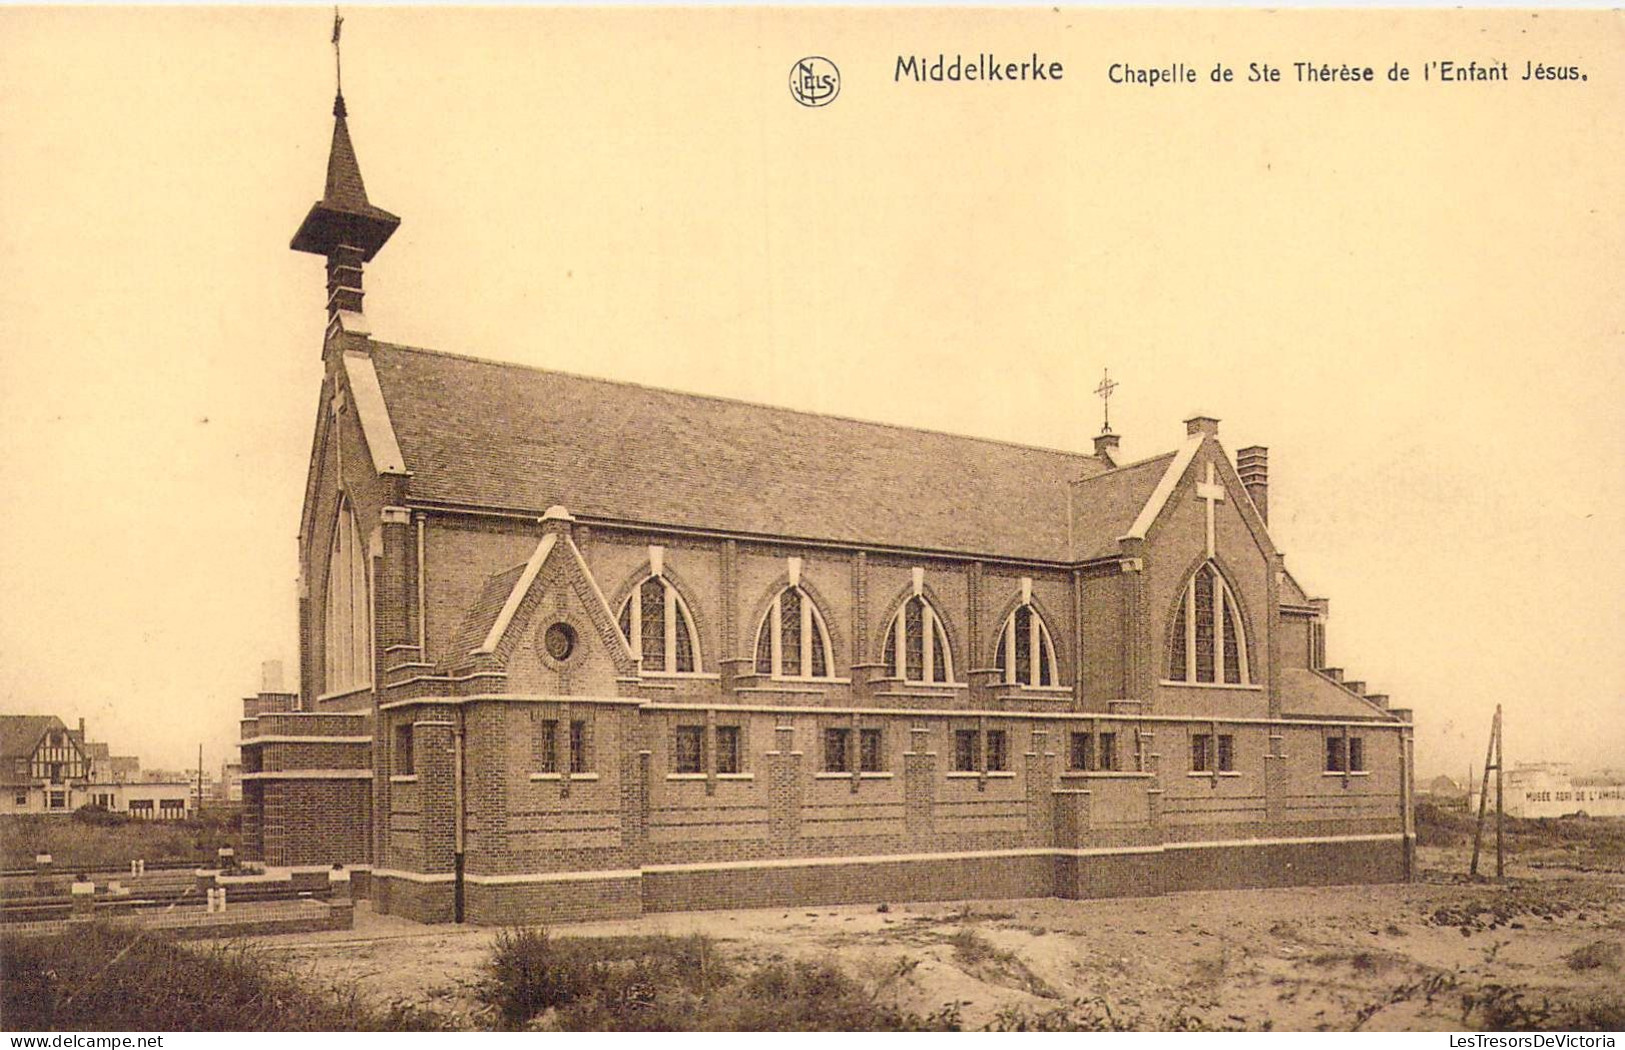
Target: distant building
x,y
1445,789
48,768
1548,789
229,788
124,769
145,800
42,764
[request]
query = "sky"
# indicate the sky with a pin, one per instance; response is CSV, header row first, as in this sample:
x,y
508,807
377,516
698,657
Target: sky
x,y
1410,293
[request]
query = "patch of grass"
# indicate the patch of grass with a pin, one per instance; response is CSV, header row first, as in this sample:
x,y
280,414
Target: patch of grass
x,y
1598,955
119,978
110,842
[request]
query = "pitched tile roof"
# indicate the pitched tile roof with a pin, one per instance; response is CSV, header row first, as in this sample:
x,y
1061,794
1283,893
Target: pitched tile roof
x,y
20,733
1105,506
501,435
485,610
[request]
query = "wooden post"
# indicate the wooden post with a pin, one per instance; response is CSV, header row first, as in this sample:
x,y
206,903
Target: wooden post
x,y
1500,800
1490,756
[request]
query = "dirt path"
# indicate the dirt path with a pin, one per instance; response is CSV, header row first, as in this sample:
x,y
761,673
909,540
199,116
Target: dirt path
x,y
1394,957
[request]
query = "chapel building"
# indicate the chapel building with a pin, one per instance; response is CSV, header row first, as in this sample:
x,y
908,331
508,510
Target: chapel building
x,y
578,649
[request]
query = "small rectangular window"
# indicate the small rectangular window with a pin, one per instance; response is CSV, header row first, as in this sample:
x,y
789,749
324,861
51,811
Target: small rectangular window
x,y
578,747
1200,746
870,758
20,798
1356,754
689,754
967,751
998,751
1082,753
59,800
728,758
1108,752
1227,753
545,746
837,757
1334,754
837,746
404,762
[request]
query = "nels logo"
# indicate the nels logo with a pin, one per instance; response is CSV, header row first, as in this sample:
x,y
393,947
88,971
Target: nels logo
x,y
814,81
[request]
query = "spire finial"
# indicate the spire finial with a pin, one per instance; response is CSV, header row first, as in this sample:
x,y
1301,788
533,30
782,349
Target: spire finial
x,y
1104,391
338,66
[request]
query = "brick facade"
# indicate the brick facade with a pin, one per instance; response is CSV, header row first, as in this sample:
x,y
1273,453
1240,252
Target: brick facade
x,y
514,757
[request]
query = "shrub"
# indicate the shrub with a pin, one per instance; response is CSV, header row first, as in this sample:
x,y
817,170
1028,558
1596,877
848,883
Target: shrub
x,y
124,979
676,984
1598,955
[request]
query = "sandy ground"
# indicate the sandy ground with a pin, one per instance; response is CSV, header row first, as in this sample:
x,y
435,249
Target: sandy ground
x,y
1393,957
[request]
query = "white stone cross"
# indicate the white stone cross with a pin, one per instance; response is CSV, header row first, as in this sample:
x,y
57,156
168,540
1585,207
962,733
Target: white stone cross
x,y
1212,493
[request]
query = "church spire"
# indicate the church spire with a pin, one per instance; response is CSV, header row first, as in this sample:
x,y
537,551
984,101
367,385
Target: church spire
x,y
344,225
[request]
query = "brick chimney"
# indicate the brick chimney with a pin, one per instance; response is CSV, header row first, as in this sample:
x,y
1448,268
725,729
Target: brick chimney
x,y
1201,425
1253,467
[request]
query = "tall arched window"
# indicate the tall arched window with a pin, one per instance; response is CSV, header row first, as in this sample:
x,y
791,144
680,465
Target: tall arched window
x,y
1026,653
793,641
1208,642
656,623
348,621
917,646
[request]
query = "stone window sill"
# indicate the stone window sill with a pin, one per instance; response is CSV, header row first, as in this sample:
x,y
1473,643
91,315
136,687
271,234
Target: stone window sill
x,y
560,776
832,774
403,778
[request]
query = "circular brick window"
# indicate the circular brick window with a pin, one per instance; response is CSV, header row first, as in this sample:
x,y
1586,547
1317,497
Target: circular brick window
x,y
560,641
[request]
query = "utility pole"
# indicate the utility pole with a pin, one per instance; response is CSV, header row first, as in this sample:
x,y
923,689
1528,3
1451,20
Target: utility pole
x,y
1492,760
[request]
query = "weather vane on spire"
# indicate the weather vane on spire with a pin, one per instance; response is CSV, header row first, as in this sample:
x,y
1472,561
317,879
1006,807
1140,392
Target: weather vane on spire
x,y
338,68
1104,390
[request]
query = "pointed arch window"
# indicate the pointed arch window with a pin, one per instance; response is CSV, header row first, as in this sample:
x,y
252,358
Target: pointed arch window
x,y
1209,638
1026,651
917,646
348,621
793,641
656,623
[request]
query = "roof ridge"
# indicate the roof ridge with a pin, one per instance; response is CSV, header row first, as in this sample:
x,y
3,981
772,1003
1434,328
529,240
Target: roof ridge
x,y
749,404
1129,466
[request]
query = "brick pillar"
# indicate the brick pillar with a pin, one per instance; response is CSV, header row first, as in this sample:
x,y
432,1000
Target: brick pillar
x,y
635,807
919,784
393,592
432,750
1275,780
500,736
784,789
1139,655
1070,817
1272,624
731,656
1040,772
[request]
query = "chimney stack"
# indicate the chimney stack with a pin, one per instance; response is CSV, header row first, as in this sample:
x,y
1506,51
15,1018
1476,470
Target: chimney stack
x,y
1201,425
1253,467
1106,447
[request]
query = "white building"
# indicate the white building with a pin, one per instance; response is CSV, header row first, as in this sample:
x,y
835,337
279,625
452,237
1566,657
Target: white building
x,y
1548,789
